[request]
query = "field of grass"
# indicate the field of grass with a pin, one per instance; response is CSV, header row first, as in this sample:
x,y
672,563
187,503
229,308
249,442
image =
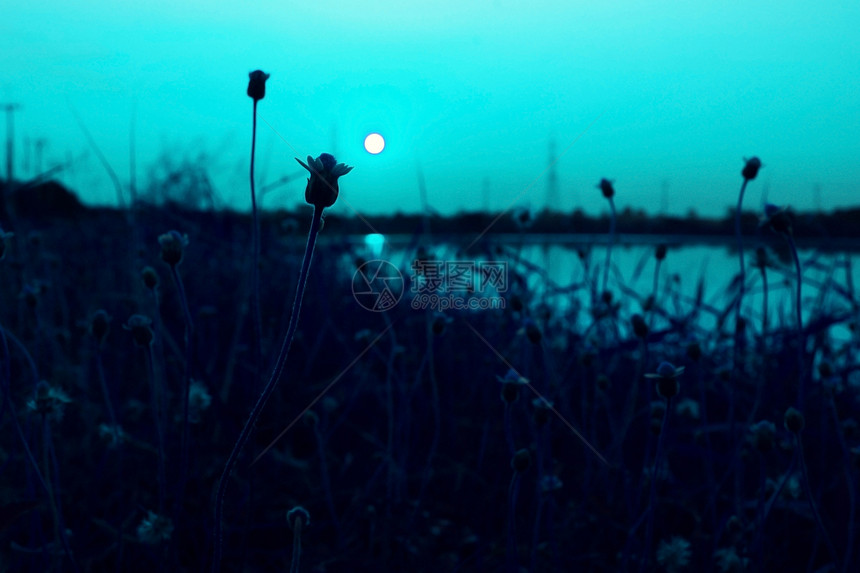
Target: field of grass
x,y
631,431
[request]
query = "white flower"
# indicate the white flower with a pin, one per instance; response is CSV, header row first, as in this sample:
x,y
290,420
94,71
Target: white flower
x,y
674,554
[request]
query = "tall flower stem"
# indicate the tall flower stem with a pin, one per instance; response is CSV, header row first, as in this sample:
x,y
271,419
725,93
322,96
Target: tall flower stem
x,y
799,313
255,261
740,242
612,220
267,391
186,387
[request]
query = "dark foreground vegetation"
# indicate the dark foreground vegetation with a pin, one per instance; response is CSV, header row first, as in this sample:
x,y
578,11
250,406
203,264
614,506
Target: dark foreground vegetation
x,y
632,431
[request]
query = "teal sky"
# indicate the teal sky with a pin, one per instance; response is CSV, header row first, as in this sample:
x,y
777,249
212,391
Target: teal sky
x,y
664,97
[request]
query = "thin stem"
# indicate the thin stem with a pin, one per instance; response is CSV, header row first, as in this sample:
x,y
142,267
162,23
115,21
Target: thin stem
x,y
611,242
297,537
156,416
255,268
185,439
799,313
267,392
739,238
812,504
652,502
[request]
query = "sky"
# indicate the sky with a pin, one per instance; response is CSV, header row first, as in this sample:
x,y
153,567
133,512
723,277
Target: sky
x,y
665,98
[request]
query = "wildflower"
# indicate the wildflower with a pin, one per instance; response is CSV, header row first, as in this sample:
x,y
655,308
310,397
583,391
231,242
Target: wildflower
x,y
762,435
550,483
257,85
511,383
688,408
543,408
606,188
532,331
674,554
728,560
523,218
140,328
794,420
31,292
172,247
150,277
49,401
751,167
322,189
777,219
602,382
199,400
660,252
521,461
100,325
640,328
114,435
667,379
154,528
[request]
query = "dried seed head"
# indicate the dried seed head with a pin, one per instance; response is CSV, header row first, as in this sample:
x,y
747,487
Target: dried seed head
x,y
257,85
606,188
667,379
750,170
150,277
777,219
140,327
763,436
173,245
511,383
542,411
793,420
640,328
100,325
521,461
49,401
533,333
154,529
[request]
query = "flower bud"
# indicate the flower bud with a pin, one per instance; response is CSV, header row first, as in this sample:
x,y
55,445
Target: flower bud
x,y
521,460
322,189
150,277
640,328
172,247
100,325
763,435
750,170
257,85
606,188
794,420
141,331
777,219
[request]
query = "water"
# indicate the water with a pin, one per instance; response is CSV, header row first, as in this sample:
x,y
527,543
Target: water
x,y
560,271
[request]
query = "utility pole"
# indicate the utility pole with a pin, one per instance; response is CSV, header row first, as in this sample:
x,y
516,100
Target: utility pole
x,y
552,196
10,138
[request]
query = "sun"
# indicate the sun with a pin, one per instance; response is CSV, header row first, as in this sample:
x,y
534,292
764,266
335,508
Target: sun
x,y
374,143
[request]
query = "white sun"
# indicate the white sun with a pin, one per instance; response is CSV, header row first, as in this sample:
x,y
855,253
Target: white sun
x,y
374,143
